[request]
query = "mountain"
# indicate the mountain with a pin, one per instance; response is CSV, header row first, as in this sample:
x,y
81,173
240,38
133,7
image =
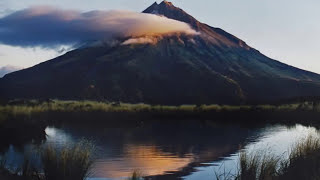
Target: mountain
x,y
212,67
8,69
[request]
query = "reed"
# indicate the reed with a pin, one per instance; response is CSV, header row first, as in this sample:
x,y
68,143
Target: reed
x,y
69,163
136,175
257,166
303,163
28,108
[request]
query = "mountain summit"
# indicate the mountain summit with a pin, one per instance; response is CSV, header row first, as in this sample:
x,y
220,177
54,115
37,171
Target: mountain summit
x,y
210,67
167,9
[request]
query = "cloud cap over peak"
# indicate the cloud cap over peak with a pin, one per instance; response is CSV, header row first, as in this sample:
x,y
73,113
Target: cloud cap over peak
x,y
49,27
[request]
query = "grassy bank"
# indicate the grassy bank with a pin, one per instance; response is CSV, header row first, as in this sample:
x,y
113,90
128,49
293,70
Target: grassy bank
x,y
28,108
32,109
24,121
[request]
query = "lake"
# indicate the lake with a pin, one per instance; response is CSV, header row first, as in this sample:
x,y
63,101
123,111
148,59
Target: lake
x,y
167,149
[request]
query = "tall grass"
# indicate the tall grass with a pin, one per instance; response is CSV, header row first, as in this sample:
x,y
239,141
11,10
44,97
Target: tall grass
x,y
28,108
69,163
39,109
72,162
136,175
303,163
258,166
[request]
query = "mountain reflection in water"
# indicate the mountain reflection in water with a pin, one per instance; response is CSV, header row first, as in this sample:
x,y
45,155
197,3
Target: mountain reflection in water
x,y
172,148
166,149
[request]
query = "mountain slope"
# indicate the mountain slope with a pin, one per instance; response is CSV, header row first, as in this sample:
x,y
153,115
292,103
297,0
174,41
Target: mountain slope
x,y
212,67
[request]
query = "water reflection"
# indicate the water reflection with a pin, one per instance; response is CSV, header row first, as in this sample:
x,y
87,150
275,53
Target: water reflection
x,y
171,149
276,140
147,159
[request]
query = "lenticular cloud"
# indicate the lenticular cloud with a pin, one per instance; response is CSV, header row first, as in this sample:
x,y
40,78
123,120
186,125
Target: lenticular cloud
x,y
48,26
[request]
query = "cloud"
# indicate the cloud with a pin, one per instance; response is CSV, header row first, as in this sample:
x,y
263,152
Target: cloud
x,y
141,40
8,69
48,27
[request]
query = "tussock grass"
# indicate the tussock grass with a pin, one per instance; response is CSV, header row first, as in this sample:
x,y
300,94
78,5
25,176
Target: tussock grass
x,y
303,163
69,163
258,166
55,110
28,108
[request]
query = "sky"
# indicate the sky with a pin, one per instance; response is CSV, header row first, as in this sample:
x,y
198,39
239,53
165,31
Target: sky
x,y
286,30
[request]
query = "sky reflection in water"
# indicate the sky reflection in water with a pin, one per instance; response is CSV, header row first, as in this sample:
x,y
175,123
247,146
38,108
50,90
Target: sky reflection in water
x,y
189,150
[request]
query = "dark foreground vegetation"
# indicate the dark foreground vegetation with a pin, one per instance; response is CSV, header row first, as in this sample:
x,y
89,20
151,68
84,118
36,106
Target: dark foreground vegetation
x,y
71,162
53,110
303,162
22,121
74,162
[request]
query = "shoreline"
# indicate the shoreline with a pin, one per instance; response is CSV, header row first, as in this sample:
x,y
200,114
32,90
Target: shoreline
x,y
27,121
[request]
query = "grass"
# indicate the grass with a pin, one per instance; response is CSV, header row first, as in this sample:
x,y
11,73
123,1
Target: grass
x,y
29,108
303,163
258,166
69,163
75,162
26,120
36,112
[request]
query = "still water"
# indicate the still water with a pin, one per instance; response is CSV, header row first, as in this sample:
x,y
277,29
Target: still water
x,y
188,150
